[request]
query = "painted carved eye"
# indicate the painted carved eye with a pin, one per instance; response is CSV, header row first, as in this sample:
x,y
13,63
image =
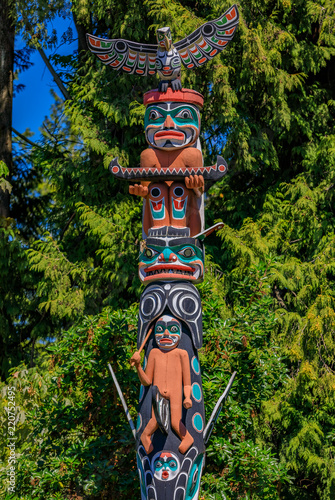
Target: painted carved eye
x,y
159,329
155,192
187,252
185,114
178,191
159,464
154,115
175,62
172,463
148,253
174,329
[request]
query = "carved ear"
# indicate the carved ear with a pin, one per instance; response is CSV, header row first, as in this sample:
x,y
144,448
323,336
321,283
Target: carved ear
x,y
152,304
184,302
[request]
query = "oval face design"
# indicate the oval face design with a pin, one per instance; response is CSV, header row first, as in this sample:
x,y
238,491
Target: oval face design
x,y
167,332
171,125
165,465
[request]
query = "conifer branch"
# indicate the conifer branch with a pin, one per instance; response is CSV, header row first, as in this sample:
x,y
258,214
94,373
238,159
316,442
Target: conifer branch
x,y
67,225
24,138
55,76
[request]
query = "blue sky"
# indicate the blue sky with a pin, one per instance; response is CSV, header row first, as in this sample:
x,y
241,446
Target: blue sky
x,y
32,104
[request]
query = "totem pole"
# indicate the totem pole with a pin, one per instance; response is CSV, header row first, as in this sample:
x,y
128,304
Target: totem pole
x,y
171,434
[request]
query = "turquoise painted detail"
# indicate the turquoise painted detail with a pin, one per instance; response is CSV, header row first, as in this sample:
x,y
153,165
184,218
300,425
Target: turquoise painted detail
x,y
194,478
197,422
182,115
166,254
158,214
186,253
195,365
141,393
149,255
196,392
179,213
169,464
172,329
139,422
141,474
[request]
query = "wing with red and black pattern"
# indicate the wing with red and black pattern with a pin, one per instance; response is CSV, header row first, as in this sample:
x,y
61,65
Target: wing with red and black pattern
x,y
120,54
208,40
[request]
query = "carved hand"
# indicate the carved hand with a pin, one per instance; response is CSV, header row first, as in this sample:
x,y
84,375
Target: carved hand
x,y
195,182
135,359
187,403
138,190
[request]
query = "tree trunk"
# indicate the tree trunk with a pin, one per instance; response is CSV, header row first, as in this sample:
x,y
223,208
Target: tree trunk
x,y
6,94
81,31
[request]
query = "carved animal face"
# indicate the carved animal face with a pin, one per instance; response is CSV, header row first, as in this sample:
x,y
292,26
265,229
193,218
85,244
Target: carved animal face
x,y
164,38
165,466
171,259
167,332
171,125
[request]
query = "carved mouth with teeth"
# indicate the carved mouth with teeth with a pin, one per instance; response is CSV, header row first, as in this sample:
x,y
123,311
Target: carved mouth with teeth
x,y
169,271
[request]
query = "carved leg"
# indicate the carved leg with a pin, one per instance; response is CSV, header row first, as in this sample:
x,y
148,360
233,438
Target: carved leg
x,y
186,438
156,207
178,426
150,428
184,209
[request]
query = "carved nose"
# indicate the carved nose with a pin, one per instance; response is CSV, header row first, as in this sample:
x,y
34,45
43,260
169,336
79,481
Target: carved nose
x,y
169,123
167,258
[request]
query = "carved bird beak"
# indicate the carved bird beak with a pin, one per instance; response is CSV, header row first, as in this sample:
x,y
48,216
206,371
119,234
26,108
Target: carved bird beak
x,y
167,43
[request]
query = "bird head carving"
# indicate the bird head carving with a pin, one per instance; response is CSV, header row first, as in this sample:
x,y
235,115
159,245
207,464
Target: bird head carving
x,y
164,38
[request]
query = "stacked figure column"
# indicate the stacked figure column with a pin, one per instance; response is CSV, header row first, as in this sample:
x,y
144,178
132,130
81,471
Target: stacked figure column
x,y
171,414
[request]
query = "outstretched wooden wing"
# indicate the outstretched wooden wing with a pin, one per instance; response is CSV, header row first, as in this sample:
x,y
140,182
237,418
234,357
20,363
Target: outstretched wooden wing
x,y
208,40
130,57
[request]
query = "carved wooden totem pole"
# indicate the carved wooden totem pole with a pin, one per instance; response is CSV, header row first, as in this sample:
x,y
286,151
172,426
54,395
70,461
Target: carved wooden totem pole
x,y
171,433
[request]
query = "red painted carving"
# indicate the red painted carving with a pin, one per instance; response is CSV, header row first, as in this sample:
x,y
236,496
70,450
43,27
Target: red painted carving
x,y
168,369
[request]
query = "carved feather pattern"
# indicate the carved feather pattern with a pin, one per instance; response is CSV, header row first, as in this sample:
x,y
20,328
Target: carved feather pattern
x,y
131,57
208,40
194,50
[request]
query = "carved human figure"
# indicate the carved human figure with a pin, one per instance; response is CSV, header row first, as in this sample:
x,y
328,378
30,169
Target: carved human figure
x,y
168,369
172,129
